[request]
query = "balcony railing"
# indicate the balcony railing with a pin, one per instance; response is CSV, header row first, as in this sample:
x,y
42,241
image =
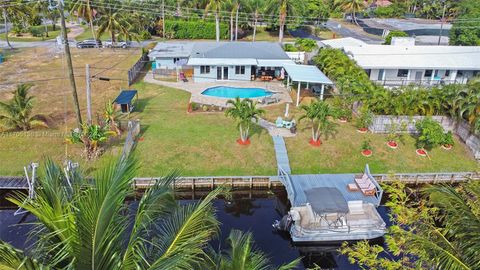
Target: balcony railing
x,y
422,82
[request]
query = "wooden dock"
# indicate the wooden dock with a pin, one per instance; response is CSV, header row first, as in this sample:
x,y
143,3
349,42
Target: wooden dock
x,y
262,182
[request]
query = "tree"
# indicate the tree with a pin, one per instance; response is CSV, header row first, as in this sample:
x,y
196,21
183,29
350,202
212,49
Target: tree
x,y
216,6
467,101
112,18
92,137
84,10
254,7
41,7
84,223
244,111
15,10
242,255
438,230
466,29
319,113
284,8
17,113
110,116
352,6
393,33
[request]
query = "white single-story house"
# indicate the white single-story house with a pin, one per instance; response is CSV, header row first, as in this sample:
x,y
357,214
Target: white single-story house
x,y
221,61
410,64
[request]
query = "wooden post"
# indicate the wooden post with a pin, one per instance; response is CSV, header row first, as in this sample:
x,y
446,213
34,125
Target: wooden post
x,y
452,179
251,182
213,183
322,91
193,183
298,93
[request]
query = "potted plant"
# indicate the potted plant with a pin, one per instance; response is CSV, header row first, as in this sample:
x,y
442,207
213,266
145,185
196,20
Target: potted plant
x,y
319,113
431,134
366,148
364,120
448,141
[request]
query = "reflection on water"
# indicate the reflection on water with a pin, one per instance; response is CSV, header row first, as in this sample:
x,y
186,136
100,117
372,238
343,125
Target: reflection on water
x,y
252,211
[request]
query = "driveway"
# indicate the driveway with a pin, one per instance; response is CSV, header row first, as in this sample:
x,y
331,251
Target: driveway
x,y
302,33
353,31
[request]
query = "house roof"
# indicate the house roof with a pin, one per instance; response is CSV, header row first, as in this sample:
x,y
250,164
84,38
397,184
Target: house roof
x,y
339,43
306,73
171,50
125,97
411,57
238,50
222,61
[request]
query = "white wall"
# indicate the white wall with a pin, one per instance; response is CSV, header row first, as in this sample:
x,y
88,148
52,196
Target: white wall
x,y
166,62
212,76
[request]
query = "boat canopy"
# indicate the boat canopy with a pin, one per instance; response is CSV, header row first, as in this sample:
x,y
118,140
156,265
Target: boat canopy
x,y
325,200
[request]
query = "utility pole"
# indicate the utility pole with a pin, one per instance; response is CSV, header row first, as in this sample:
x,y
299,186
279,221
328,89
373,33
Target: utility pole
x,y
442,22
71,76
89,96
163,18
236,22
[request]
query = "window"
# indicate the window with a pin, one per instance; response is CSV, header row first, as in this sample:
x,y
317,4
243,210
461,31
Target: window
x,y
175,60
402,73
368,71
239,69
447,73
381,73
428,73
204,69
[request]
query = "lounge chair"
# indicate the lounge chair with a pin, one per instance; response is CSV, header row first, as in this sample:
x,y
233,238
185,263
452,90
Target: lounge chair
x,y
366,185
270,100
182,77
279,122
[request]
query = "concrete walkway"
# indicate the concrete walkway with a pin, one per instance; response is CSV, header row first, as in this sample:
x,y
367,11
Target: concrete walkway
x,y
281,154
273,130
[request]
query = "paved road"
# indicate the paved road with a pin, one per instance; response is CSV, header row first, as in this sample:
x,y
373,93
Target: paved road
x,y
348,32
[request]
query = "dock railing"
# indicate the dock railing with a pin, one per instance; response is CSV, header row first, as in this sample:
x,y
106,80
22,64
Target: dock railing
x,y
428,178
284,177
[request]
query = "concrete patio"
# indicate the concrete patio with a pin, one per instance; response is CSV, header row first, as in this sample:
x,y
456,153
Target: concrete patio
x,y
196,89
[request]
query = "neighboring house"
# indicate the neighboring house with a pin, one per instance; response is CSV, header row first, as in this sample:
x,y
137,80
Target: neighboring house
x,y
221,61
420,65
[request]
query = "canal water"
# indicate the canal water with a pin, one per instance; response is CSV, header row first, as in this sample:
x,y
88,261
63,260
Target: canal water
x,y
252,211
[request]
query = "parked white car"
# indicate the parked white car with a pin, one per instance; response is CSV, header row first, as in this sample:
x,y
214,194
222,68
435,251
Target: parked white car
x,y
117,44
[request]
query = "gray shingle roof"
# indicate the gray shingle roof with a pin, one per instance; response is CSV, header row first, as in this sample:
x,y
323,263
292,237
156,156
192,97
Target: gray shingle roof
x,y
255,50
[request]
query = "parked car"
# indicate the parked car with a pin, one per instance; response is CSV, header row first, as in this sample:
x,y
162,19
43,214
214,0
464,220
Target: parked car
x,y
89,43
117,44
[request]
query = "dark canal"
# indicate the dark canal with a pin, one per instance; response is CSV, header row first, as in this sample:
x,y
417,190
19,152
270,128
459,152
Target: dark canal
x,y
253,211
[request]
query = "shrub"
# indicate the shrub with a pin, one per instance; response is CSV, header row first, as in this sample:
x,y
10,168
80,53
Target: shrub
x,y
36,32
431,133
305,44
448,139
388,38
366,145
145,35
365,119
197,29
290,47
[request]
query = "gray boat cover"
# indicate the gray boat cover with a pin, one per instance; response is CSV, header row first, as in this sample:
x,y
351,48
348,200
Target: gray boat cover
x,y
325,200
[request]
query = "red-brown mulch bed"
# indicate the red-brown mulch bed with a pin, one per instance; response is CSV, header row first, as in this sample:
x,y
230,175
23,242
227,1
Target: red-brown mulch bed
x,y
316,143
392,144
367,153
362,130
421,152
246,142
447,146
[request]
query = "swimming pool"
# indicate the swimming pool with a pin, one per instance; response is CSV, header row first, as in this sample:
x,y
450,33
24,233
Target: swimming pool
x,y
233,92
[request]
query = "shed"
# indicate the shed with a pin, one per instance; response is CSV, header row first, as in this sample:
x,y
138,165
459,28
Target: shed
x,y
127,100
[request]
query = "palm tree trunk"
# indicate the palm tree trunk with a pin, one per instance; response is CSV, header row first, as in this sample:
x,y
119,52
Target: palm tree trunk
x,y
236,23
217,26
231,26
254,27
241,133
354,17
5,20
46,25
282,26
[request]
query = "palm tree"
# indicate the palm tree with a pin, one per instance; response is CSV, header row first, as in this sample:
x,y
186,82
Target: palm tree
x,y
468,101
319,113
352,6
18,111
84,223
244,111
112,18
92,137
242,255
84,10
284,9
110,115
13,9
254,7
41,7
216,6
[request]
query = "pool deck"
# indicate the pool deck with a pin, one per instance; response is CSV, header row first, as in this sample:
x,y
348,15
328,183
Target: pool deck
x,y
196,89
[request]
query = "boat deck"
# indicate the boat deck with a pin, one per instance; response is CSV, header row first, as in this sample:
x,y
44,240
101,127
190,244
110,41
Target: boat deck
x,y
301,183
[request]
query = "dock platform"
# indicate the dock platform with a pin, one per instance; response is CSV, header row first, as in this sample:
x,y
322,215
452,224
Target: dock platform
x,y
13,183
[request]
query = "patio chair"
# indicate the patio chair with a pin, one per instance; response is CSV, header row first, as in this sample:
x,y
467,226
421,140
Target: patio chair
x,y
279,122
182,77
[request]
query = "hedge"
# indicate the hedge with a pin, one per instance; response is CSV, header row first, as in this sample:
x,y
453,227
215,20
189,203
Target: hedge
x,y
197,29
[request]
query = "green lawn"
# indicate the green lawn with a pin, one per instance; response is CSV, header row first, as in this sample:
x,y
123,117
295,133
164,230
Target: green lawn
x,y
87,33
197,143
341,154
263,35
28,38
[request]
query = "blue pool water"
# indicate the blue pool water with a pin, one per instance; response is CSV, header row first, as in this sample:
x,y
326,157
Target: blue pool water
x,y
233,92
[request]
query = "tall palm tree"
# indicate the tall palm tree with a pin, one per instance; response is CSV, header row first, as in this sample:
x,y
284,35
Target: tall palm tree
x,y
13,9
468,101
84,223
319,113
17,113
41,7
84,10
242,255
254,7
216,6
244,111
113,19
284,8
352,6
